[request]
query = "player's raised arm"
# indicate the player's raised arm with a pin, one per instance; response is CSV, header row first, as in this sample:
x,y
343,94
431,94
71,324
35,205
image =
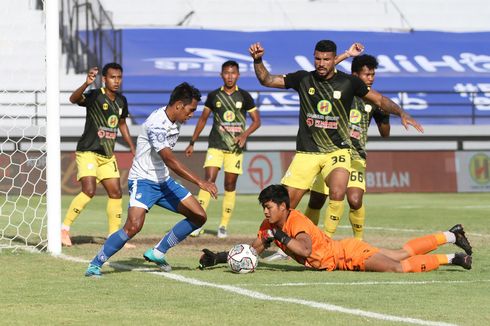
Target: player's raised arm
x,y
178,167
391,107
77,95
265,78
201,123
354,50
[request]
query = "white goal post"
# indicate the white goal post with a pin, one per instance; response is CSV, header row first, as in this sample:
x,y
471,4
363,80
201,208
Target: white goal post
x,y
53,158
30,192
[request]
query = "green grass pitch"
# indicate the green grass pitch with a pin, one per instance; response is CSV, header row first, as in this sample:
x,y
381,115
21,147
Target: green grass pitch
x,y
39,289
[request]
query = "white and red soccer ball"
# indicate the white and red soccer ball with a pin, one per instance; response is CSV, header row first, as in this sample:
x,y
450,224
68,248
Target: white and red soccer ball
x,y
242,258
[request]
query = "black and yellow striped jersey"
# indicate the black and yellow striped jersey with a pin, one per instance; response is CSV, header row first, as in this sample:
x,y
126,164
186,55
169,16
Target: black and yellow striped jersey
x,y
101,122
229,117
361,114
324,109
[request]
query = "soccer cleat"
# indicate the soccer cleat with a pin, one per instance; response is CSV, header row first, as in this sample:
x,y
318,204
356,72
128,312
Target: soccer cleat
x,y
462,259
278,255
93,271
197,232
222,232
461,240
65,238
162,263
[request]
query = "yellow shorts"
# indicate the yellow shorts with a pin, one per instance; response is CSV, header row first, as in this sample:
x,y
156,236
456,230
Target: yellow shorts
x,y
319,185
357,177
305,166
90,164
232,161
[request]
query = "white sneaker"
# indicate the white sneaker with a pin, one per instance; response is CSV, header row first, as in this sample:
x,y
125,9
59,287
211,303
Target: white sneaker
x,y
222,232
197,232
278,255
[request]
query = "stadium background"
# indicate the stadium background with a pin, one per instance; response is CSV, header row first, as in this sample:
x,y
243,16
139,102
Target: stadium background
x,y
451,156
434,64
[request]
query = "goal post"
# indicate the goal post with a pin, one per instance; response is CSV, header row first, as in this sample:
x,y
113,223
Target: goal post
x,y
53,157
30,192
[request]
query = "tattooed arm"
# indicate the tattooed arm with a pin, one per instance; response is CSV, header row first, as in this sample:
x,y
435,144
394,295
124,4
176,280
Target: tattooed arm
x,y
265,78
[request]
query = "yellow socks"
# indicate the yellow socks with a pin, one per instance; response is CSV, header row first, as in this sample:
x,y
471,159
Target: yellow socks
x,y
313,214
114,211
203,198
357,218
77,205
333,215
228,206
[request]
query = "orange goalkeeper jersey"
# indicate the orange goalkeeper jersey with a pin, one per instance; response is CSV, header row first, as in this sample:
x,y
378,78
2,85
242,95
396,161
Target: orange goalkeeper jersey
x,y
322,247
326,254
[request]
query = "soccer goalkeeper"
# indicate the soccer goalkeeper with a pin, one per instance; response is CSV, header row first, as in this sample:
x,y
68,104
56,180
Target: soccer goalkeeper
x,y
300,239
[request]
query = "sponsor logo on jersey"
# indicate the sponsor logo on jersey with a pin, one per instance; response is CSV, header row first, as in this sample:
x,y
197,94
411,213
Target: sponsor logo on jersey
x,y
311,91
480,168
238,105
112,121
337,95
368,108
324,107
355,116
229,116
218,104
105,106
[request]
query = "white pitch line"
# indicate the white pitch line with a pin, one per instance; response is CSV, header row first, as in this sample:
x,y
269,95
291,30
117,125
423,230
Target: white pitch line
x,y
366,283
266,297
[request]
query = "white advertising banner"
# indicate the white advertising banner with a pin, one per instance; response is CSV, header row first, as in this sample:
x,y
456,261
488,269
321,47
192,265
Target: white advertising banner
x,y
473,171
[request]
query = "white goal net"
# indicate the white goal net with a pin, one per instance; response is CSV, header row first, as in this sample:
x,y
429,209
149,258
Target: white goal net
x,y
23,125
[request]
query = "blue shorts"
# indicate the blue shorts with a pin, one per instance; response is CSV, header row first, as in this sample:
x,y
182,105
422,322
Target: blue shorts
x,y
145,193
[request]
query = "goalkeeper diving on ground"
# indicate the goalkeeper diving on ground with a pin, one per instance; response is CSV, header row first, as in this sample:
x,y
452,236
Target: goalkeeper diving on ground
x,y
303,241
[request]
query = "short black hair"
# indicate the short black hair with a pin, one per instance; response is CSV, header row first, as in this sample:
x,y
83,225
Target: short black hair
x,y
230,63
276,193
185,93
363,60
111,65
326,46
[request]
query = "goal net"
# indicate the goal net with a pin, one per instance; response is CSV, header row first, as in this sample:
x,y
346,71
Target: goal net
x,y
23,125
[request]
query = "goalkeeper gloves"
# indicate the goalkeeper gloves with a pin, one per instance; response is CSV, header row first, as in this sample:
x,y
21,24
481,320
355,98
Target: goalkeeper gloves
x,y
270,235
209,258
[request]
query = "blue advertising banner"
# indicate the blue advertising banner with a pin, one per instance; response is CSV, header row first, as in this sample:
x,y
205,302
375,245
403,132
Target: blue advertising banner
x,y
441,78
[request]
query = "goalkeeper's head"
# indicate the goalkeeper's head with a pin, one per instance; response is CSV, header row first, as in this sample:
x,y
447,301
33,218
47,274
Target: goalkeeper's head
x,y
277,194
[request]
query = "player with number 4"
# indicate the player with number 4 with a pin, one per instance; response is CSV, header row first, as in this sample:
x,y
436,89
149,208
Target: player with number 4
x,y
229,105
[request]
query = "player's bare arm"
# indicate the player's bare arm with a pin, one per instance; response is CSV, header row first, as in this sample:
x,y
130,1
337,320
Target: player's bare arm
x,y
201,123
354,50
258,245
126,135
242,138
301,245
384,129
77,95
181,170
265,78
391,107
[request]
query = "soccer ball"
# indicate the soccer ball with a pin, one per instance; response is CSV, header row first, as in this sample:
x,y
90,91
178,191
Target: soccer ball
x,y
242,259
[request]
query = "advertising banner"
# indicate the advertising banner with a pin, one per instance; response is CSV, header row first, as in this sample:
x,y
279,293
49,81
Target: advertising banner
x,y
473,171
422,171
412,66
